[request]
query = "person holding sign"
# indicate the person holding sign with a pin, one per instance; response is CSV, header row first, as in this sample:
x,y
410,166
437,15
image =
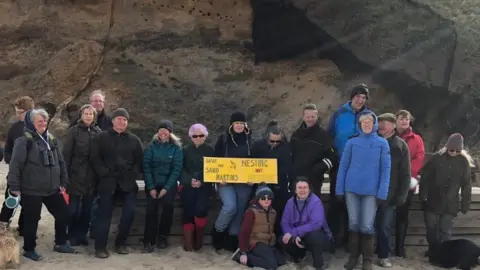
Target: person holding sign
x,y
162,165
275,145
195,192
235,142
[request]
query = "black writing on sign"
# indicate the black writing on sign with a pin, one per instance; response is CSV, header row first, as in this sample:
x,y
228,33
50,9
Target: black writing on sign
x,y
210,160
258,163
212,170
227,177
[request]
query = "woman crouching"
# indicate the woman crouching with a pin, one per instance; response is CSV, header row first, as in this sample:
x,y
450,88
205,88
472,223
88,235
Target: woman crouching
x,y
195,192
257,237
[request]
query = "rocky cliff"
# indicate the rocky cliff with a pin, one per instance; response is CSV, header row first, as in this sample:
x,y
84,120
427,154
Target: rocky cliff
x,y
192,60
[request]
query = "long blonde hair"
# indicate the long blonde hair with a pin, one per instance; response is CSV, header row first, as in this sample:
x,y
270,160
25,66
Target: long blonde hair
x,y
463,153
173,139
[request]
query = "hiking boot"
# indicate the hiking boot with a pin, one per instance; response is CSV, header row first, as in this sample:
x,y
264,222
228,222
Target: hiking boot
x,y
218,239
32,255
162,242
188,236
102,254
232,243
354,247
367,248
148,248
122,250
64,249
385,263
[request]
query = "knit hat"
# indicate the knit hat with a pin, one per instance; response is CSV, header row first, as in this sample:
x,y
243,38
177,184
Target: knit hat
x,y
238,117
361,89
455,142
166,124
262,192
120,112
390,117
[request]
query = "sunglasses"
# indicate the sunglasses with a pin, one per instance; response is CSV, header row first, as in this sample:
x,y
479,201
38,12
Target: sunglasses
x,y
198,136
454,151
275,141
266,198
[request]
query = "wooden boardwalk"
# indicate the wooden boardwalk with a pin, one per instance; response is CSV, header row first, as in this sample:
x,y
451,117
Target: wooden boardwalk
x,y
465,226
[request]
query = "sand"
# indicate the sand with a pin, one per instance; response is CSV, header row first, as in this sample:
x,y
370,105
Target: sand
x,y
172,258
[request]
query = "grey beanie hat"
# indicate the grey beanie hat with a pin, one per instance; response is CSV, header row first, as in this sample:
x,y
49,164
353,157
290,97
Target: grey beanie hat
x,y
263,191
120,112
455,142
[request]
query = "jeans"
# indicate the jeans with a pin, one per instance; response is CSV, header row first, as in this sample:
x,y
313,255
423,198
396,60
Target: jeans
x,y
6,213
234,199
361,212
384,220
32,206
194,203
316,242
80,208
438,226
151,230
264,256
106,205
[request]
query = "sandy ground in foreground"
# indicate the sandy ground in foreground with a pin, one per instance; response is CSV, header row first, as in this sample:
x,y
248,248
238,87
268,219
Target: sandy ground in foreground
x,y
172,258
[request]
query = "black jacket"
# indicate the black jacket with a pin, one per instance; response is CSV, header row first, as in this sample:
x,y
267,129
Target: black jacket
x,y
313,154
117,159
15,131
235,145
76,152
399,172
193,163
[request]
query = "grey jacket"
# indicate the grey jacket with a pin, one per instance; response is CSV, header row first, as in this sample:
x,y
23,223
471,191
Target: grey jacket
x,y
27,170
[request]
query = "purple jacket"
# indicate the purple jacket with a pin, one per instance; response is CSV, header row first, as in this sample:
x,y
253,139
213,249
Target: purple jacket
x,y
312,218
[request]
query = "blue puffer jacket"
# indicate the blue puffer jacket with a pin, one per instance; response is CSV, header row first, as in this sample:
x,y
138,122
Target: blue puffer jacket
x,y
343,125
365,165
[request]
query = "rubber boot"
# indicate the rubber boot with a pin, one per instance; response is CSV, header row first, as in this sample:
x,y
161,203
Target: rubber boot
x,y
354,247
188,236
401,232
218,239
367,248
199,232
232,243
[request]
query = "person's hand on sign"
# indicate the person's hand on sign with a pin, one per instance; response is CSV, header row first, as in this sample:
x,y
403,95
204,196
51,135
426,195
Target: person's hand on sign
x,y
194,182
162,194
153,193
286,237
223,183
250,183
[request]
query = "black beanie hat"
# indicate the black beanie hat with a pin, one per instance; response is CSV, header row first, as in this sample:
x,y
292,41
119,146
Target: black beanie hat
x,y
120,112
359,90
238,117
166,124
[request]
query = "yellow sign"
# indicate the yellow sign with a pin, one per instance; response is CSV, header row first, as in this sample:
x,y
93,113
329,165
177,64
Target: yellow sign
x,y
240,170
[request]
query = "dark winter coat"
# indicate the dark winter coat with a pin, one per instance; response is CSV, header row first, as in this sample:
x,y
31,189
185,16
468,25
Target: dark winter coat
x,y
312,153
15,131
76,151
162,164
235,145
399,172
193,163
117,160
442,178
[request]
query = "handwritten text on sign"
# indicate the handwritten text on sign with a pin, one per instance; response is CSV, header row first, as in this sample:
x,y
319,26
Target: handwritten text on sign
x,y
240,170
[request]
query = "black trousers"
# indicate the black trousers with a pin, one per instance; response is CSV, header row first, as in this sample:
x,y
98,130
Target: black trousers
x,y
7,213
195,202
337,215
438,227
401,221
316,242
80,209
153,228
32,207
265,256
282,195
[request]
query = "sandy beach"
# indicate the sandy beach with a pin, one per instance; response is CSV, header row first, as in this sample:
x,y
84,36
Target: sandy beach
x,y
172,258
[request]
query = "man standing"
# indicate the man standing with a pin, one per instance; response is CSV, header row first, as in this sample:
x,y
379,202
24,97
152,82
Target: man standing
x,y
312,150
117,159
398,189
342,126
21,105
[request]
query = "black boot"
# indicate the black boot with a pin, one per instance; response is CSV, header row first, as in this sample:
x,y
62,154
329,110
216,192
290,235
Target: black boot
x,y
354,243
218,239
231,243
400,234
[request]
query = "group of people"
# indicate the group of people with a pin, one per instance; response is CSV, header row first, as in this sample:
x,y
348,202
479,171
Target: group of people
x,y
374,164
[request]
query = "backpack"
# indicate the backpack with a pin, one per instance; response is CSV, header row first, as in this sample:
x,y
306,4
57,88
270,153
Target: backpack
x,y
29,137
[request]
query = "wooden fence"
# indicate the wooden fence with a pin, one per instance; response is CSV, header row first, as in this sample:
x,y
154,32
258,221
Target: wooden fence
x,y
465,226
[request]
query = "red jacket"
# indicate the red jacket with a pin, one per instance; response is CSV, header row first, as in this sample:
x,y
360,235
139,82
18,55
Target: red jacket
x,y
417,151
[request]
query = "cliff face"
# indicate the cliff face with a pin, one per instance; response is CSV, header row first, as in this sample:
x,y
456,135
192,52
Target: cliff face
x,y
182,60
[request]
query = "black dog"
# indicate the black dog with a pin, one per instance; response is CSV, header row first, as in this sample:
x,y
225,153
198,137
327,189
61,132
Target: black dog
x,y
460,253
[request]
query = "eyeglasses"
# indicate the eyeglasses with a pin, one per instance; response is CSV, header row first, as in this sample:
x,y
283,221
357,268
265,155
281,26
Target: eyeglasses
x,y
454,151
275,141
198,136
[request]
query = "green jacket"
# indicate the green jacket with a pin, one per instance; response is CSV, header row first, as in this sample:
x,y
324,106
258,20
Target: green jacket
x,y
193,163
162,165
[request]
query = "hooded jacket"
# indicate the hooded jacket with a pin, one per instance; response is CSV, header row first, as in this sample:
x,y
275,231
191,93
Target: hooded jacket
x,y
235,145
344,124
299,222
365,165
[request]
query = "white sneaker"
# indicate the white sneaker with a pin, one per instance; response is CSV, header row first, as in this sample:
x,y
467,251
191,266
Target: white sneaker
x,y
385,263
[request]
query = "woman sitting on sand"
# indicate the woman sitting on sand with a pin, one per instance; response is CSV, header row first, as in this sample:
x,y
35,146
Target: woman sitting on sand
x,y
257,237
195,192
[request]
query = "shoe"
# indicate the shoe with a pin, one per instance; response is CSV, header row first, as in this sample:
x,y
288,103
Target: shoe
x,y
218,239
385,263
232,243
64,249
367,248
148,248
32,255
122,250
188,236
102,254
354,247
162,242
